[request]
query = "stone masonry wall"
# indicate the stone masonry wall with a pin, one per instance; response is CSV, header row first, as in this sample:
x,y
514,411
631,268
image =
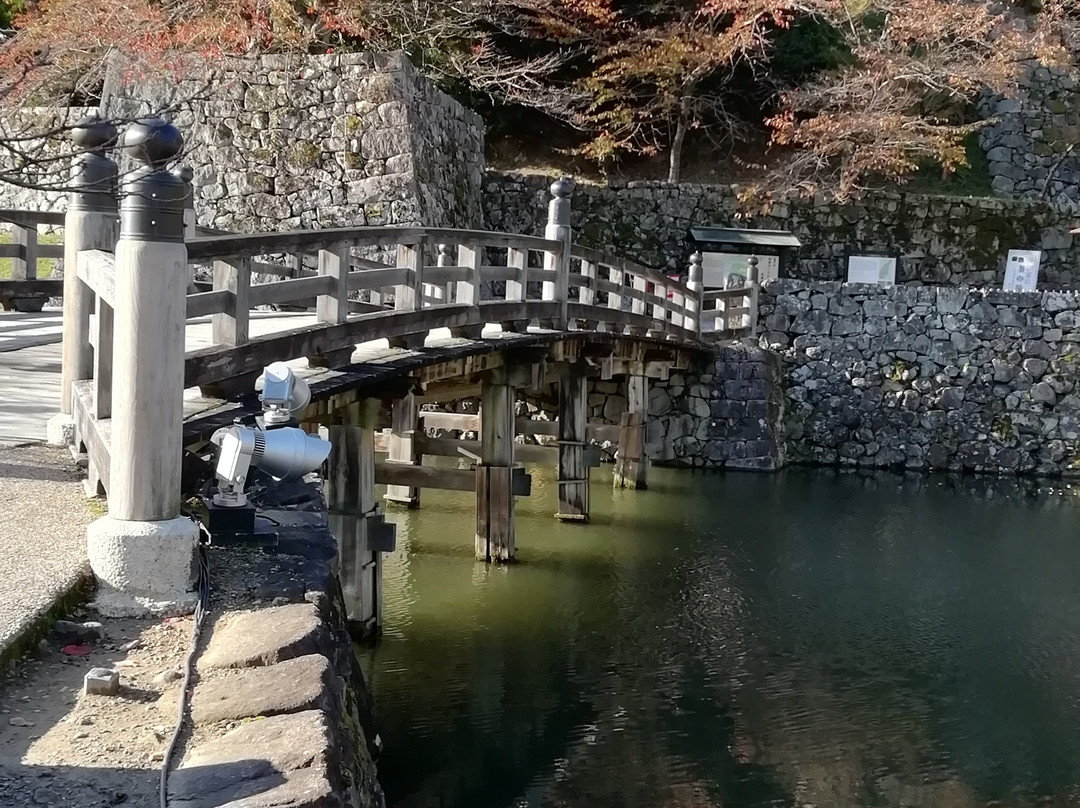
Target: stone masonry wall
x,y
1029,144
280,142
726,412
928,378
941,240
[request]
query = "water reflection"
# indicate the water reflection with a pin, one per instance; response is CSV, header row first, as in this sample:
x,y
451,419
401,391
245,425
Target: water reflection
x,y
812,638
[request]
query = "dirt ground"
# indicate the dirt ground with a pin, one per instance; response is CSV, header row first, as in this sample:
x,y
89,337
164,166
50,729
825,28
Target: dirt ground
x,y
61,747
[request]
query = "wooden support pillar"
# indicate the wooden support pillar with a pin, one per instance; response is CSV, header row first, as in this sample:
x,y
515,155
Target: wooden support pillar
x,y
353,516
632,464
573,422
404,425
494,474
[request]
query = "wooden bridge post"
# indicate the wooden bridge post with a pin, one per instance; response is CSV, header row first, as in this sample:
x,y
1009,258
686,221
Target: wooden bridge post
x,y
143,551
404,425
558,229
632,463
90,223
494,473
349,487
694,300
573,423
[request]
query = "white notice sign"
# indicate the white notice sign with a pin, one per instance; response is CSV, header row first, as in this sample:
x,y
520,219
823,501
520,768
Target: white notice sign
x,y
1022,270
878,269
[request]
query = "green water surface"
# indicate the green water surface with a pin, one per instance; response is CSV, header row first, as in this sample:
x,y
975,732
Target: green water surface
x,y
802,639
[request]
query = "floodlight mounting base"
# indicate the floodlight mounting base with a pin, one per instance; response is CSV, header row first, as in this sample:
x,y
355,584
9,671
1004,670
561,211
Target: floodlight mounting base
x,y
268,424
237,525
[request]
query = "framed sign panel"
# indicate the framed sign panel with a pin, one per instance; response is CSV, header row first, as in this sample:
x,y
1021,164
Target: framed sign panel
x,y
724,270
1022,270
877,269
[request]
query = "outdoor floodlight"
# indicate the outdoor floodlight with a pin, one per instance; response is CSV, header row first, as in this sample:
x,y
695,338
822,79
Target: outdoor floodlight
x,y
285,453
283,394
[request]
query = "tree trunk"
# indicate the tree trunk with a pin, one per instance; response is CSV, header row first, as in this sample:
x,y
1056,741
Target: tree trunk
x,y
681,125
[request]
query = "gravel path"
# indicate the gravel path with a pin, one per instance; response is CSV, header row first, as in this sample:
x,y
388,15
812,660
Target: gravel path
x,y
43,518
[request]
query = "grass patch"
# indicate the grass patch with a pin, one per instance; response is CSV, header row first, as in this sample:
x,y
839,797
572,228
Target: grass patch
x,y
44,265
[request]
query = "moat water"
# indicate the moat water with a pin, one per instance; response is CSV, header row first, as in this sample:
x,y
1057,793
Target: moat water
x,y
802,639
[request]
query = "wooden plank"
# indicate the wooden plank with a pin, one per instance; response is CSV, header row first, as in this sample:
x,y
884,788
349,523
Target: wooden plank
x,y
17,250
203,303
407,474
437,275
97,269
450,420
231,326
31,217
51,287
293,289
94,434
377,278
103,360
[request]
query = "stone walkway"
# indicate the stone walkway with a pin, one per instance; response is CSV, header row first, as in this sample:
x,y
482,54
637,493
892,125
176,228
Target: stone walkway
x,y
42,535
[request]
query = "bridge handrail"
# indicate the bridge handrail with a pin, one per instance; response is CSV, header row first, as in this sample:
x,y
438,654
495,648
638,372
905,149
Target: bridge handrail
x,y
212,247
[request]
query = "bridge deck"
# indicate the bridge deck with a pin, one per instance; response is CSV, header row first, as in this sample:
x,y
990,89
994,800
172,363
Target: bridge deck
x,y
30,365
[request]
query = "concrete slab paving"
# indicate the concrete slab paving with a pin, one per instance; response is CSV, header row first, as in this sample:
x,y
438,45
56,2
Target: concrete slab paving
x,y
42,535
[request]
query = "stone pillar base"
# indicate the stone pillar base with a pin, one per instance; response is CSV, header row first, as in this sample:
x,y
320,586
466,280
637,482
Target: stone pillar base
x,y
60,430
143,568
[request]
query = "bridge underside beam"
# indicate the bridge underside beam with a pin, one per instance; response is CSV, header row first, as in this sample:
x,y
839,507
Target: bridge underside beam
x,y
573,421
494,475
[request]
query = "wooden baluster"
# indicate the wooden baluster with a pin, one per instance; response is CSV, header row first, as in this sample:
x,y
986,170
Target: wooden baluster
x,y
637,305
440,292
24,266
517,287
333,308
614,299
103,360
408,296
468,291
587,291
231,326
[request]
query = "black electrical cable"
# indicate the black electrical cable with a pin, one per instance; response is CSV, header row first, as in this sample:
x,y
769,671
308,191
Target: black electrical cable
x,y
203,588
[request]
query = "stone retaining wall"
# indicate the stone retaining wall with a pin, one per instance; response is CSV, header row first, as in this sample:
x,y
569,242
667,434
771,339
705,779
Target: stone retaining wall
x,y
928,378
1029,145
279,652
940,239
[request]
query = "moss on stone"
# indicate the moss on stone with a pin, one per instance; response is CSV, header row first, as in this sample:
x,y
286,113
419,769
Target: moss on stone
x,y
304,154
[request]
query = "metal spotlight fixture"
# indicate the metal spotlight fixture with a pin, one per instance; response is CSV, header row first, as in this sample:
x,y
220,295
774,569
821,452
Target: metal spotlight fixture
x,y
285,453
283,394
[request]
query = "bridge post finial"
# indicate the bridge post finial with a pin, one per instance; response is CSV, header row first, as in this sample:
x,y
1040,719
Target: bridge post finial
x,y
558,229
89,224
142,552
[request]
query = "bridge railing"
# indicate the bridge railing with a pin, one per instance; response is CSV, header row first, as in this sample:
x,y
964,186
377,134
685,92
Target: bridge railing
x,y
23,289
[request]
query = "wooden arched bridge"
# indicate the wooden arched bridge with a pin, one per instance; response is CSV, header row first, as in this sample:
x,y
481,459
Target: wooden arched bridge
x,y
405,315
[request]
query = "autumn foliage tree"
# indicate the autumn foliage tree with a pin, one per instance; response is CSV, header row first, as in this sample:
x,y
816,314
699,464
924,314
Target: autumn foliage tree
x,y
886,87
